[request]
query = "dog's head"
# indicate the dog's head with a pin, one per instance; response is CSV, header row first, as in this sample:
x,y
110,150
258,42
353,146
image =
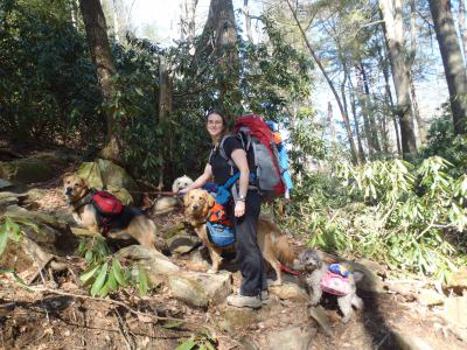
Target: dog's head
x,y
74,187
197,204
310,260
181,183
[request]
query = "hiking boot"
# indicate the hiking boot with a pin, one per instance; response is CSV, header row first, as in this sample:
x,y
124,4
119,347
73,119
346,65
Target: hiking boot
x,y
239,300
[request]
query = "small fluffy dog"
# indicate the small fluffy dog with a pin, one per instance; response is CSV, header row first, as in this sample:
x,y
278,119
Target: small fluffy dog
x,y
272,243
311,263
181,183
133,222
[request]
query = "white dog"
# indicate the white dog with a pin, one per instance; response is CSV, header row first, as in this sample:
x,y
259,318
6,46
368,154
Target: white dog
x,y
181,183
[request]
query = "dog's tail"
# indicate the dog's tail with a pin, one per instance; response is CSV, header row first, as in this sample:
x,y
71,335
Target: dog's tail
x,y
283,251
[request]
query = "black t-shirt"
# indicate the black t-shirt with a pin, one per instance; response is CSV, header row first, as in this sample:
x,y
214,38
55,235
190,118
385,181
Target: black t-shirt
x,y
221,169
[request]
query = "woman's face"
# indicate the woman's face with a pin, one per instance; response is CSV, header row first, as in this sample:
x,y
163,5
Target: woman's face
x,y
215,125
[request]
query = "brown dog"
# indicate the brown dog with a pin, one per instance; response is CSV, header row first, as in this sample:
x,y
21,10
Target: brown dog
x,y
272,243
85,214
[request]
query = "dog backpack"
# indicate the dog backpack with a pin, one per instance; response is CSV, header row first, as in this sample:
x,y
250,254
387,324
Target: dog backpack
x,y
106,203
258,142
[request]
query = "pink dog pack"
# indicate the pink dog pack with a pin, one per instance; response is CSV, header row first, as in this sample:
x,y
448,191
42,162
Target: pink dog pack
x,y
335,284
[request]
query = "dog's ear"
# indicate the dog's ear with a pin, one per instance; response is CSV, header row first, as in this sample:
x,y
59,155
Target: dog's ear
x,y
211,200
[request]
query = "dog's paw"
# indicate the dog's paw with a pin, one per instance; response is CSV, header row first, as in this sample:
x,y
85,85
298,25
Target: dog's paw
x,y
212,271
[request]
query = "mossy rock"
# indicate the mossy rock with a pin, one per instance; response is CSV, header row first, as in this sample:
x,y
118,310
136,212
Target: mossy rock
x,y
27,170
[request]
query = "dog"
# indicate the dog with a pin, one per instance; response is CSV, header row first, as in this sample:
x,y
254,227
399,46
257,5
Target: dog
x,y
181,183
132,223
314,268
272,243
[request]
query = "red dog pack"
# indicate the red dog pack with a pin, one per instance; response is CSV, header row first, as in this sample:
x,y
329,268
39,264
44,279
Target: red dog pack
x,y
106,203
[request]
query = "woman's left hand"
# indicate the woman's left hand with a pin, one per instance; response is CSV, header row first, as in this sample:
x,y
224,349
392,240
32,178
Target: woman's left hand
x,y
239,209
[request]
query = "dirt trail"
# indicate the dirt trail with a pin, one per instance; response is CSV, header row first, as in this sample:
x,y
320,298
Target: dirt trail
x,y
44,320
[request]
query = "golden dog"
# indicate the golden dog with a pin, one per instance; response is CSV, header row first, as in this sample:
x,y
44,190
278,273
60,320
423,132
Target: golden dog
x,y
84,213
272,243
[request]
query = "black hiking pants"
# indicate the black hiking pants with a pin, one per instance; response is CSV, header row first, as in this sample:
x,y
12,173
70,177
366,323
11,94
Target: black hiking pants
x,y
249,256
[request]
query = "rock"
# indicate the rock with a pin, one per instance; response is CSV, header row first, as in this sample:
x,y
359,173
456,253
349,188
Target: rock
x,y
5,184
25,257
181,244
458,280
200,289
237,319
103,173
429,297
26,170
455,311
410,342
290,291
370,282
197,262
319,315
295,338
7,199
153,261
165,205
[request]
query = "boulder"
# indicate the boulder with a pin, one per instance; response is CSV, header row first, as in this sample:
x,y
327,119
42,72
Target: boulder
x,y
182,244
165,205
200,289
26,170
25,257
103,173
154,262
429,297
234,319
295,338
5,184
7,199
290,291
458,280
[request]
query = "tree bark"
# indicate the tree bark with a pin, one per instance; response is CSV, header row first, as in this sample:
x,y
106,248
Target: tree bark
x,y
454,68
332,128
345,117
165,109
462,31
96,32
246,13
188,23
353,105
394,34
219,40
371,118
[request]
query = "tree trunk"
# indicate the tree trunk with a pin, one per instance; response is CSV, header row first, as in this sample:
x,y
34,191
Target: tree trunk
x,y
394,33
359,154
454,68
345,118
246,12
188,23
165,109
96,32
390,102
416,111
219,39
353,105
371,118
332,129
364,111
462,31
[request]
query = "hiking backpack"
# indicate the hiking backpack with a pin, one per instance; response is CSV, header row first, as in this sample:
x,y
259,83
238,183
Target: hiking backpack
x,y
106,203
258,142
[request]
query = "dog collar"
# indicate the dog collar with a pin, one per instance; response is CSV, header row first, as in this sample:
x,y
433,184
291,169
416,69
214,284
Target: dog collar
x,y
86,199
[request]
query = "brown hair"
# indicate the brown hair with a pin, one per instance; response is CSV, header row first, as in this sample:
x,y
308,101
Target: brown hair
x,y
225,130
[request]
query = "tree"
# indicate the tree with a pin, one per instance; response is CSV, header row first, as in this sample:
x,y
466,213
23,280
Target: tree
x,y
96,32
454,68
394,34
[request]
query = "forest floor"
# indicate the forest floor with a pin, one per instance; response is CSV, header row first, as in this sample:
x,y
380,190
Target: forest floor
x,y
60,314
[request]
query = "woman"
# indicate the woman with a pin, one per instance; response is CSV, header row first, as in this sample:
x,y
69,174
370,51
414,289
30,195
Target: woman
x,y
244,211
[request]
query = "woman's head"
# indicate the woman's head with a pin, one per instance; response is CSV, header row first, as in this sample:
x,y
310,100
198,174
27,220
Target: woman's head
x,y
215,124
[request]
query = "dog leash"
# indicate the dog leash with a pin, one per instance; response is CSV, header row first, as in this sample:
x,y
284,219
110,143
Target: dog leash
x,y
289,270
